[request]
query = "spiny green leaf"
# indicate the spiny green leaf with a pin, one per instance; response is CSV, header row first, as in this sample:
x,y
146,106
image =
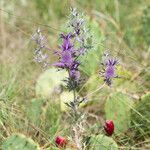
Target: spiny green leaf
x,y
102,142
19,142
118,109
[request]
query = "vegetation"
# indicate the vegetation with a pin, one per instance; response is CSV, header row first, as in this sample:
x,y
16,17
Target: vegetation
x,y
31,99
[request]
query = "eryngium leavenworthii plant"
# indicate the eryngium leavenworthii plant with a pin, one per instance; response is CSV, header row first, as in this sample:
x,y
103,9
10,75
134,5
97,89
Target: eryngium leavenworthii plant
x,y
75,43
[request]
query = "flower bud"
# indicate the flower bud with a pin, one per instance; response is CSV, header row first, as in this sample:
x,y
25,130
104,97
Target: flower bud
x,y
109,127
60,141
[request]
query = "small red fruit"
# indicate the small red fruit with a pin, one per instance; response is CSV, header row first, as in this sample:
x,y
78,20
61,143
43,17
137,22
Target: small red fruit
x,y
60,141
109,127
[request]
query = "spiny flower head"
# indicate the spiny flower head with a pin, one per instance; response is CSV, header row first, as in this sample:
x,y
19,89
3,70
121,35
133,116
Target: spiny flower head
x,y
66,52
77,25
109,68
40,54
74,45
68,57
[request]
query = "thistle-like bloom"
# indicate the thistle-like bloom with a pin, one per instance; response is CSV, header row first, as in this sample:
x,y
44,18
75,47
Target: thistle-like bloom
x,y
67,57
75,43
65,61
109,69
65,53
82,36
40,41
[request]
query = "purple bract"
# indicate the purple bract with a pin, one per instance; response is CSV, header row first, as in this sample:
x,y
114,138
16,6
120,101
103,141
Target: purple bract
x,y
67,57
109,73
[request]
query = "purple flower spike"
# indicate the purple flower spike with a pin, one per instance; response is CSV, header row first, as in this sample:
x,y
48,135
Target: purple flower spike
x,y
109,73
67,59
110,68
40,54
65,54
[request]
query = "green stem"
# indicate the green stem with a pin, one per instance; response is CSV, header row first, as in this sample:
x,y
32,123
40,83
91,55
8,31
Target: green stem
x,y
75,114
74,101
75,105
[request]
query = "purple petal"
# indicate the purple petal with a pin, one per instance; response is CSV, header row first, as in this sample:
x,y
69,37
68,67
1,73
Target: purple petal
x,y
67,44
110,72
59,65
66,58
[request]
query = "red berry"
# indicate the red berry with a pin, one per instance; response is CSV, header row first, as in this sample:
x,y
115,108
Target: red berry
x,y
109,127
60,141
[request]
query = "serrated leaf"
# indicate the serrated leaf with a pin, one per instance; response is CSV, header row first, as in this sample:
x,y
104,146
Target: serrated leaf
x,y
19,142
